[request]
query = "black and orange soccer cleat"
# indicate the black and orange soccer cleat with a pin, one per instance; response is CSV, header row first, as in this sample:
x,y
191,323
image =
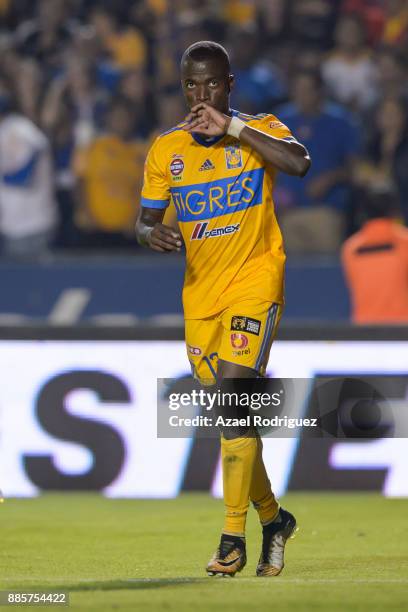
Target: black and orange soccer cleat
x,y
275,535
229,558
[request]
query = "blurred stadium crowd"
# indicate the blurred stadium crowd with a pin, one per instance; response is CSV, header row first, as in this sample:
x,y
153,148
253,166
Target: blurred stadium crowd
x,y
86,85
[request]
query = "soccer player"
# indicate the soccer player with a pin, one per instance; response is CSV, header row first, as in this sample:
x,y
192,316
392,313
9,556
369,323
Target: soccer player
x,y
218,167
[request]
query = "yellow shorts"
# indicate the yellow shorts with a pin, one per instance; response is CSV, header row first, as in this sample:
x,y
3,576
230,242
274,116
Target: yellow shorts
x,y
240,334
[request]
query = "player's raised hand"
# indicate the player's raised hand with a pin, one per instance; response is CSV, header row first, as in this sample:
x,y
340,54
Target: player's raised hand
x,y
206,120
163,238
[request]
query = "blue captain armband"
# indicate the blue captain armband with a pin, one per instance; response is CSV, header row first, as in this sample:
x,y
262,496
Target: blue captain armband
x,y
149,203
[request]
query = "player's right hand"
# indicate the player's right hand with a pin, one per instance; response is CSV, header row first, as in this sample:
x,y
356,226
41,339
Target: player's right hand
x,y
164,239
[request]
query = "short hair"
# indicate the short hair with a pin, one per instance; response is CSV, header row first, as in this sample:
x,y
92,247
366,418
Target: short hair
x,y
205,50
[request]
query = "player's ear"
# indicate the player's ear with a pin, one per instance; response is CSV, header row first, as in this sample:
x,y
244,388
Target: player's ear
x,y
231,81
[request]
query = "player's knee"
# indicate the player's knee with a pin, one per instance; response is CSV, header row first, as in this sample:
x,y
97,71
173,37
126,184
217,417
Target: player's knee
x,y
233,416
227,370
232,433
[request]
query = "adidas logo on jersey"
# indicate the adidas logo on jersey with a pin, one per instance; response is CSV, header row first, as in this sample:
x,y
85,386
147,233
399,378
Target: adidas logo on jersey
x,y
207,165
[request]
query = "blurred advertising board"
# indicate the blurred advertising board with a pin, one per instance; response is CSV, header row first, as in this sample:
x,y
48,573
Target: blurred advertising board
x,y
82,415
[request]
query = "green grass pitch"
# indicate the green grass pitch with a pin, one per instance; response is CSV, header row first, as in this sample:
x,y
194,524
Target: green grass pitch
x,y
351,553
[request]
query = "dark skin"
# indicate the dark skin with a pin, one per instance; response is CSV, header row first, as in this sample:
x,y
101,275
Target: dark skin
x,y
206,87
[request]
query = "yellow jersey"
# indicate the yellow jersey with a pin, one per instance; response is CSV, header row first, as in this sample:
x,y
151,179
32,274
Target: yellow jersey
x,y
128,49
222,192
112,170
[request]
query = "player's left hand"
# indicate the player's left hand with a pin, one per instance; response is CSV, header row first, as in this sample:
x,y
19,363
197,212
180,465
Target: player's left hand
x,y
206,120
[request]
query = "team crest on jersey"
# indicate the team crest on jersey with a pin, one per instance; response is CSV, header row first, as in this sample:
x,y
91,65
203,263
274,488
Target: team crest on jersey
x,y
176,168
252,326
233,157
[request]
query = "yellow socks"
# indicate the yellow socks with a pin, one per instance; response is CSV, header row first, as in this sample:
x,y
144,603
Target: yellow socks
x,y
260,491
245,478
238,456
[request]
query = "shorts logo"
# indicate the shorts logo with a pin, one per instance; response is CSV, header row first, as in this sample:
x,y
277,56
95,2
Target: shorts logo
x,y
233,157
239,341
176,166
241,353
275,124
194,350
246,324
200,231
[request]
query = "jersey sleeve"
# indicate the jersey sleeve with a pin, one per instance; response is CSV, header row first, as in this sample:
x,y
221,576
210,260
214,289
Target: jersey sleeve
x,y
20,150
156,190
19,147
269,124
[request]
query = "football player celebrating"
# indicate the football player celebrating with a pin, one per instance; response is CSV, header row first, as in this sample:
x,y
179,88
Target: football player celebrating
x,y
218,167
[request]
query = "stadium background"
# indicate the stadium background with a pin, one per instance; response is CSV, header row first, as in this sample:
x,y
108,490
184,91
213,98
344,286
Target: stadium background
x,y
89,321
63,66
95,502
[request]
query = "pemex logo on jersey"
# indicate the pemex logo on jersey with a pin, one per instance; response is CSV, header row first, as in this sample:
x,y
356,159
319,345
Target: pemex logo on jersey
x,y
200,231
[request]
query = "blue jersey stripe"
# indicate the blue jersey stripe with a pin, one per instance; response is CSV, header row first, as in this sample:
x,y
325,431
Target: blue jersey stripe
x,y
149,203
174,129
220,197
270,325
248,118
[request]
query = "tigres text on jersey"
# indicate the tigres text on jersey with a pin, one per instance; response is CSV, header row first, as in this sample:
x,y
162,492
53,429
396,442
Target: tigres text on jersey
x,y
222,192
